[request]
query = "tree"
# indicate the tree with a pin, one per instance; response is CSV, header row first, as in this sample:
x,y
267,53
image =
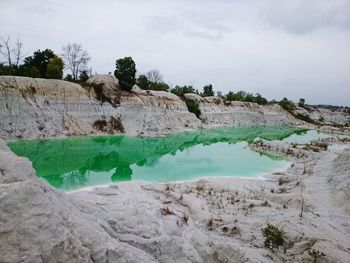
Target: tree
x,y
55,68
181,91
154,76
84,76
143,82
286,104
125,72
39,60
208,91
75,58
301,102
69,77
13,54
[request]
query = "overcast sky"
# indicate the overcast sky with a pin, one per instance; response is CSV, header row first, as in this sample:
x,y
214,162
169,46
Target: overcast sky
x,y
292,48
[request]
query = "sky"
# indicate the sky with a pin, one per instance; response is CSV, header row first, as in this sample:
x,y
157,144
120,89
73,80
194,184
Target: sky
x,y
278,48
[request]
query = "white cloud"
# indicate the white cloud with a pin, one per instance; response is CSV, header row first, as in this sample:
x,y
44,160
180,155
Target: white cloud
x,y
277,48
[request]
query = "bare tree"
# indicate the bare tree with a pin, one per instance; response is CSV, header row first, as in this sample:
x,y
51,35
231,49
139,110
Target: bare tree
x,y
18,51
75,58
11,52
154,76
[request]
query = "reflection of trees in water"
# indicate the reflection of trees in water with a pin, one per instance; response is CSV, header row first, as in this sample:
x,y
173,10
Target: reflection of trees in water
x,y
65,163
122,173
68,180
75,178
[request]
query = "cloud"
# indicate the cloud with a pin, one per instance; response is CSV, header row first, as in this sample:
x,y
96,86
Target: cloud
x,y
302,17
279,48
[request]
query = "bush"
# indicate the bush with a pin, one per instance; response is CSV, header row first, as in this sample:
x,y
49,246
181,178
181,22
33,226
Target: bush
x,y
304,118
274,237
182,90
84,76
193,107
286,104
125,72
55,68
208,91
246,97
143,82
315,254
281,181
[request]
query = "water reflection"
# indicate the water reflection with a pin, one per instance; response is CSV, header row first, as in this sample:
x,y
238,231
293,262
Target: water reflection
x,y
75,162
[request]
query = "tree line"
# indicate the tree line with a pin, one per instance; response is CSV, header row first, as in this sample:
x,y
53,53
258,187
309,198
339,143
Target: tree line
x,y
74,59
44,63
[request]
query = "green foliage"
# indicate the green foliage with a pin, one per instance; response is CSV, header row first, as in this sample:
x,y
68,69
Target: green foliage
x,y
39,60
69,77
286,104
274,237
125,72
305,118
182,90
55,68
84,76
316,254
159,86
143,82
246,97
281,181
7,70
301,102
32,72
208,91
193,107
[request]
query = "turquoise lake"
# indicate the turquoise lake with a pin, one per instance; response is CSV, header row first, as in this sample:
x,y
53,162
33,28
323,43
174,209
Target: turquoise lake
x,y
73,163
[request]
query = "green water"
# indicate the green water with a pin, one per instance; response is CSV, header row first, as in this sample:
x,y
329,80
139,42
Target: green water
x,y
73,163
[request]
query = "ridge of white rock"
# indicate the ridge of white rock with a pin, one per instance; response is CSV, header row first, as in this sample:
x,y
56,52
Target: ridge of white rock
x,y
39,108
215,112
36,108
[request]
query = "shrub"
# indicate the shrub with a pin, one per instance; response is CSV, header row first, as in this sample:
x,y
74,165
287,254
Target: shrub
x,y
116,125
84,76
208,91
286,104
246,97
304,118
100,125
281,181
55,68
315,254
193,107
274,237
182,90
143,82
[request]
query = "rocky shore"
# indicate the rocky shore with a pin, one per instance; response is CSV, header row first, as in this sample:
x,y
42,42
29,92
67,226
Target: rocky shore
x,y
216,220
213,220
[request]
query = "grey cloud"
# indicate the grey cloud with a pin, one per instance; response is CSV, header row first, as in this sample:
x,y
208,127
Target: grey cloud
x,y
301,17
203,35
233,44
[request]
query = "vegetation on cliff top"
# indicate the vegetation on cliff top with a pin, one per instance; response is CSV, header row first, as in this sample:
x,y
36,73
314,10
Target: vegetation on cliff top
x,y
74,59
